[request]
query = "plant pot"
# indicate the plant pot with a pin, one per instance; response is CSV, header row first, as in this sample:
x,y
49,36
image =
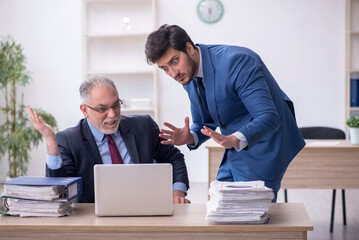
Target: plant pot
x,y
354,136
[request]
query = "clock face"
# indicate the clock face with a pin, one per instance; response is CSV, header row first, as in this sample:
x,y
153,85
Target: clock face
x,y
210,11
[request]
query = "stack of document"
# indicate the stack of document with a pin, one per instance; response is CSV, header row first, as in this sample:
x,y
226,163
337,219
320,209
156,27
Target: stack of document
x,y
239,202
40,196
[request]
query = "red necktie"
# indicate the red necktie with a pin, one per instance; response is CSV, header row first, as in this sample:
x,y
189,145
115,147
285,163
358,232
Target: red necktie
x,y
115,155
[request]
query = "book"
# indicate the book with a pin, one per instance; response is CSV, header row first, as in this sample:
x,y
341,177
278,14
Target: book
x,y
246,202
40,196
43,188
354,92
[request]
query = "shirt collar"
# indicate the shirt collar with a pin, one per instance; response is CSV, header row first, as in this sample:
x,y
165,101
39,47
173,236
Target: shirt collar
x,y
200,68
99,136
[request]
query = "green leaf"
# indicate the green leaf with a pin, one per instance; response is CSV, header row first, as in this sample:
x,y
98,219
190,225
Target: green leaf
x,y
17,136
353,122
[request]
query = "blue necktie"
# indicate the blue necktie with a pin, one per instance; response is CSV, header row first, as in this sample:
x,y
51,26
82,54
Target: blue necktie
x,y
201,90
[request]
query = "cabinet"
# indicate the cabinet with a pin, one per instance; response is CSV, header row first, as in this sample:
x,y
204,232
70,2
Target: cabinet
x,y
352,58
114,36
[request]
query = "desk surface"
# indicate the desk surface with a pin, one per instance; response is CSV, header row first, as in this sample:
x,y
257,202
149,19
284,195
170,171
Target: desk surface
x,y
287,221
291,216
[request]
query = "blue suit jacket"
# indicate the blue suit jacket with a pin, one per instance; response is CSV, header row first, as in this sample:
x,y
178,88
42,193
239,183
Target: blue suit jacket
x,y
243,96
79,151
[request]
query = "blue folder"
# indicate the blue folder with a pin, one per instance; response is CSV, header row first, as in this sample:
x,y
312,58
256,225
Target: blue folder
x,y
354,92
73,185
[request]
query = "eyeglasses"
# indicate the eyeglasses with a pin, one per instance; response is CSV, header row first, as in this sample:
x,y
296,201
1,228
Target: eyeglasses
x,y
115,106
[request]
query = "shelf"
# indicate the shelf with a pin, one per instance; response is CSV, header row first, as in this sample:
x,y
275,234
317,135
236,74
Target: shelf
x,y
352,63
114,1
117,35
144,109
122,72
119,17
114,36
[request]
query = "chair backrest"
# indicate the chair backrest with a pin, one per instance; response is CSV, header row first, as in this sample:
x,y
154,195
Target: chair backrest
x,y
321,133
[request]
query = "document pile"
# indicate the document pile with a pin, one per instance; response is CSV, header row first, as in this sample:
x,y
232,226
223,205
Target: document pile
x,y
239,202
40,196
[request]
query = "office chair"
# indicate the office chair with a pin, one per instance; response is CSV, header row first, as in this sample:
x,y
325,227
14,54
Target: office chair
x,y
324,133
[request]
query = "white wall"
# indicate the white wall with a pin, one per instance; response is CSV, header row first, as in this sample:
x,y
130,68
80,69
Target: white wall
x,y
301,41
50,34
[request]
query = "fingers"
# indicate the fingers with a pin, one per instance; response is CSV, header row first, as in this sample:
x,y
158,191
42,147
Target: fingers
x,y
186,122
211,133
165,136
181,200
207,131
166,131
41,120
34,118
169,142
170,126
31,113
29,109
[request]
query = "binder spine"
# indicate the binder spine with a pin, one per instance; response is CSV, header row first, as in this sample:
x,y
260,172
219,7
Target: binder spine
x,y
354,92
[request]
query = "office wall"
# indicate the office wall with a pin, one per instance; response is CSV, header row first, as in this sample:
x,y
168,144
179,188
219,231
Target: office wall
x,y
301,41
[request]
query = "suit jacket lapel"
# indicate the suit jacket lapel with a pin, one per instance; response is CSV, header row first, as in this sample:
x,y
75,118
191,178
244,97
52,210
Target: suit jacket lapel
x,y
130,142
89,141
209,82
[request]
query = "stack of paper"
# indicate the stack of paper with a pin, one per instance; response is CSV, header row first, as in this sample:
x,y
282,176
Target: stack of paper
x,y
40,196
239,202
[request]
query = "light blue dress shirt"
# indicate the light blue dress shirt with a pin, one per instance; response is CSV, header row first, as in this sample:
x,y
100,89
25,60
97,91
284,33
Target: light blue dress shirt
x,y
55,162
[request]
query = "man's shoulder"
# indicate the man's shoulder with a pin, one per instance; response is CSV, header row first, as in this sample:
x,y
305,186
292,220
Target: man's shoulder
x,y
133,119
227,50
137,123
76,130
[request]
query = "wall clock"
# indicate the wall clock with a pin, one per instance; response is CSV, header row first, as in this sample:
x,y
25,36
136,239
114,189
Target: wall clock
x,y
210,11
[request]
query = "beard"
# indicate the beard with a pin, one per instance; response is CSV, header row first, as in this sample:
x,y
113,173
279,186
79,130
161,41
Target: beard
x,y
192,68
112,130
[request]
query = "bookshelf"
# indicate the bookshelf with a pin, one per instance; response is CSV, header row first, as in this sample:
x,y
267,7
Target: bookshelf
x,y
352,56
114,36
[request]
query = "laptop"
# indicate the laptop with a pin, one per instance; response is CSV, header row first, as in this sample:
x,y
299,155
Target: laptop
x,y
133,189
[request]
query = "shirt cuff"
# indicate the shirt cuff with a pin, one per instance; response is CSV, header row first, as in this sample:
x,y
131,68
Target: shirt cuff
x,y
180,186
242,141
53,162
195,138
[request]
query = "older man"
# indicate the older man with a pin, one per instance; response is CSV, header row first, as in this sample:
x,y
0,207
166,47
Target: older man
x,y
75,151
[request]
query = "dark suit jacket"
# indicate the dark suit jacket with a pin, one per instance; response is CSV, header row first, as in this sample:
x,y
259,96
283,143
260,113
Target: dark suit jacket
x,y
242,96
79,151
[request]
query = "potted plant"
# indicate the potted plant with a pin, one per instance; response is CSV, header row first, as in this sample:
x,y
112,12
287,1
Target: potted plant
x,y
17,136
353,124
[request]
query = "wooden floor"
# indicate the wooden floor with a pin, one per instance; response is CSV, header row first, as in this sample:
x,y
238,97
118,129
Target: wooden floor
x,y
318,205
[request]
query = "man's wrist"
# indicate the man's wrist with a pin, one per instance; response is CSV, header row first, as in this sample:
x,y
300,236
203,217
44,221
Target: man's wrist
x,y
190,140
235,141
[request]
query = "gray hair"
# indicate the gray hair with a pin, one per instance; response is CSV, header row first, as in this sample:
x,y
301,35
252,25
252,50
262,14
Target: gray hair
x,y
94,81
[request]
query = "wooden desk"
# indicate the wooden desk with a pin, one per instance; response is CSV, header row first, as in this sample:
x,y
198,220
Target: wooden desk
x,y
287,221
325,164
